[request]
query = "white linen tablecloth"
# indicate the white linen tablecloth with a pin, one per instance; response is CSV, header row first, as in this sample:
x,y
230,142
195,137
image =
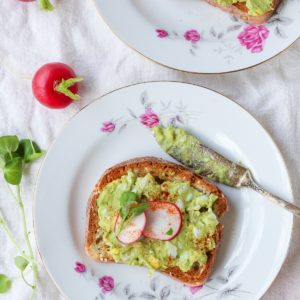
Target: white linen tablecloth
x,y
75,34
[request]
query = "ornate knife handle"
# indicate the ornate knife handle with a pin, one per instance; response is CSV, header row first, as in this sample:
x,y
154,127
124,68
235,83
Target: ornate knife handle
x,y
249,181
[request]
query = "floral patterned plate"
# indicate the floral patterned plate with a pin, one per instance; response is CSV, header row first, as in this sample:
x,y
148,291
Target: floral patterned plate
x,y
115,128
190,35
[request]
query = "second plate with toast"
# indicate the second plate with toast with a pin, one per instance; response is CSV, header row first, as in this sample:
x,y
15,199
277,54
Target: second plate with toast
x,y
204,36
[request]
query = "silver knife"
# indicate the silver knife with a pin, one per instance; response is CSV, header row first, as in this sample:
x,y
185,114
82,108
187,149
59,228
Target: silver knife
x,y
204,161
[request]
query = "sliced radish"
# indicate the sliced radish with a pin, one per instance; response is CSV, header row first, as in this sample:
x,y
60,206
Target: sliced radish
x,y
133,231
164,221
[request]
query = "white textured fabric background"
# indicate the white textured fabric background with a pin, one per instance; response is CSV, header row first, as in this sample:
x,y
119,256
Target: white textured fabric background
x,y
75,34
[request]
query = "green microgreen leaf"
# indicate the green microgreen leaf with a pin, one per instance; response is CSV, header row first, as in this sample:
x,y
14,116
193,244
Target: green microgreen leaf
x,y
133,211
8,156
64,85
2,162
130,209
45,5
138,209
5,283
170,231
29,150
21,263
123,212
128,197
13,171
8,144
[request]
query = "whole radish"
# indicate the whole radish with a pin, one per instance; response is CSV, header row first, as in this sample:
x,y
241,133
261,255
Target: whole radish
x,y
55,85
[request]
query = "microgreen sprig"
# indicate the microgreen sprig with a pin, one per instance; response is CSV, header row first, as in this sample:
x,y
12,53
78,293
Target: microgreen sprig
x,y
170,231
5,283
15,154
131,207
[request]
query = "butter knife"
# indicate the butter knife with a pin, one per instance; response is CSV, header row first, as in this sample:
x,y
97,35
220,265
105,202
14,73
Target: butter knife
x,y
206,162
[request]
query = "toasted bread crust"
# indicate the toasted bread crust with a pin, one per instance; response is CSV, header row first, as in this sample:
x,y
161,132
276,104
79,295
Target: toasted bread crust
x,y
241,11
166,171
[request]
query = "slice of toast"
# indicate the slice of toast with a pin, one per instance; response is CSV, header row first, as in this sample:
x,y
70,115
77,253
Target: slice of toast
x,y
164,171
240,10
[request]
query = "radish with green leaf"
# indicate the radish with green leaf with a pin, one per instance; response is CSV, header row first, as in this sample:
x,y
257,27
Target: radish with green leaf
x,y
55,85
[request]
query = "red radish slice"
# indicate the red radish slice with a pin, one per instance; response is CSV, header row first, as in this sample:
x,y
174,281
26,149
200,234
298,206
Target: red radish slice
x,y
133,231
164,221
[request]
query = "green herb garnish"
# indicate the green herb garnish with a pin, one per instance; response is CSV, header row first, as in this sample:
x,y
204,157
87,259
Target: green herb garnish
x,y
12,170
127,199
170,231
14,155
5,283
21,263
8,144
138,209
29,150
130,208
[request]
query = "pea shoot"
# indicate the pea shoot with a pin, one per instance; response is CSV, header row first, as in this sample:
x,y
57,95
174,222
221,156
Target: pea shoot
x,y
15,155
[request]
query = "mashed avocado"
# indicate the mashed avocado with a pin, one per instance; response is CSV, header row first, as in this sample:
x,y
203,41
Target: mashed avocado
x,y
190,245
256,7
204,161
185,148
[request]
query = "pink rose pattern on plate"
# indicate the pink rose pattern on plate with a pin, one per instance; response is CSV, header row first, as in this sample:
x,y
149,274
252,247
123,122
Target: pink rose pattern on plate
x,y
166,113
124,290
192,36
108,126
149,118
253,37
79,267
106,283
161,33
195,289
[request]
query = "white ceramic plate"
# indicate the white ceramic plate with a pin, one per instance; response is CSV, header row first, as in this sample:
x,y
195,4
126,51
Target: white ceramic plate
x,y
110,130
196,37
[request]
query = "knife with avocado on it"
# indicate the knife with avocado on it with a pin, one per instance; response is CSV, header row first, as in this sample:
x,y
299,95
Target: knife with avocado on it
x,y
204,161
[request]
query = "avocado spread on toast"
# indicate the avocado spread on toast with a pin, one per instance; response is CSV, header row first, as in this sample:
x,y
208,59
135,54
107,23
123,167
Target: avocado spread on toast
x,y
255,7
188,248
